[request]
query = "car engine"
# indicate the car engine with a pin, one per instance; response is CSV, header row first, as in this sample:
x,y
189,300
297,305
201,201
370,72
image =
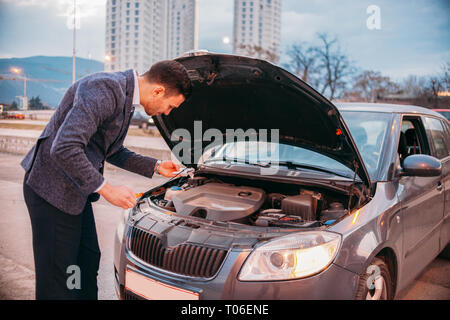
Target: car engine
x,y
216,200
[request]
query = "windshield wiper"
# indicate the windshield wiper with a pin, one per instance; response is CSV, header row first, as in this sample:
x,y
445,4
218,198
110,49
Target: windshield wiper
x,y
293,166
225,159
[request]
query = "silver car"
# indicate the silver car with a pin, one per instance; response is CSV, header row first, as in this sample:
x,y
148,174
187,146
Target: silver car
x,y
355,204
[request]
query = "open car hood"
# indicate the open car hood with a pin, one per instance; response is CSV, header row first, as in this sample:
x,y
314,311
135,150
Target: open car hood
x,y
234,92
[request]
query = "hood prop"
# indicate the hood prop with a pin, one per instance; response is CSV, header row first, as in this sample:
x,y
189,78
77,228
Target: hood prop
x,y
355,163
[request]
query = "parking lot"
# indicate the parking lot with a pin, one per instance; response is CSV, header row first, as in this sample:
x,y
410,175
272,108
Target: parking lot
x,y
16,258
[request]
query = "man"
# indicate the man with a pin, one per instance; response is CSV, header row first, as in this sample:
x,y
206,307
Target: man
x,y
64,170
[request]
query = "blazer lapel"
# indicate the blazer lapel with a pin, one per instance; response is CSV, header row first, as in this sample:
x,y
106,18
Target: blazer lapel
x,y
127,113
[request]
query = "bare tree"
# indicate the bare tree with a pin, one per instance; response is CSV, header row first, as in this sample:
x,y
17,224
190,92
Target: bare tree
x,y
258,52
413,85
325,67
335,66
446,76
303,62
369,85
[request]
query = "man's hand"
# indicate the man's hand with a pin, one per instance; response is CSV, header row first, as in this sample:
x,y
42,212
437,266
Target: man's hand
x,y
168,168
119,196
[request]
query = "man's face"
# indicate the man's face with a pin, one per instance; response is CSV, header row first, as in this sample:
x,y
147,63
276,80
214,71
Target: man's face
x,y
157,100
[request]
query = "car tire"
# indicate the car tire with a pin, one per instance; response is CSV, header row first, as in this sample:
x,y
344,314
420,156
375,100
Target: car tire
x,y
377,275
445,254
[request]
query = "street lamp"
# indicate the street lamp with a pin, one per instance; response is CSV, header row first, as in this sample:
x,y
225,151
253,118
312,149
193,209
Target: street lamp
x,y
20,71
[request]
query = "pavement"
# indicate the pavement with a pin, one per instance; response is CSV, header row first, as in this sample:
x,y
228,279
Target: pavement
x,y
16,252
16,255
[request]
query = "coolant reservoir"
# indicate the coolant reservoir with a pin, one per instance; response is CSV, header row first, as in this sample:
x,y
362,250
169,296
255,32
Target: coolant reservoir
x,y
171,192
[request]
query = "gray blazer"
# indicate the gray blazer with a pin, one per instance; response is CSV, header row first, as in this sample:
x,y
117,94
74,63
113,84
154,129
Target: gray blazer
x,y
65,166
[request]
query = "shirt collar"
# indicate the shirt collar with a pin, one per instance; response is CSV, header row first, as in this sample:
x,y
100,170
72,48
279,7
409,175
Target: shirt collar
x,y
136,97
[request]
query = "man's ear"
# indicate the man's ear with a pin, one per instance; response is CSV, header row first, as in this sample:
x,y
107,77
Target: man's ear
x,y
159,91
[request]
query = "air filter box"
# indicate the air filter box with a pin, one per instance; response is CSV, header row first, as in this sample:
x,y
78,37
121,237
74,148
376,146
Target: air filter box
x,y
304,206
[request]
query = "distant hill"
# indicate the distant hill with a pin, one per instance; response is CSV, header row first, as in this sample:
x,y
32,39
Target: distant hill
x,y
42,67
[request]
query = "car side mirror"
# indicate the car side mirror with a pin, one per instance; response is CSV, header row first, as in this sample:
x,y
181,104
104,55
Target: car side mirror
x,y
421,165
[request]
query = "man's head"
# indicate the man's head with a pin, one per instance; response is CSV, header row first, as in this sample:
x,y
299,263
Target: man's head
x,y
164,87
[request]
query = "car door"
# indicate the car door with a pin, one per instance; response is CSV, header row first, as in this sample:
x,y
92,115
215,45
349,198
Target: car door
x,y
422,201
437,132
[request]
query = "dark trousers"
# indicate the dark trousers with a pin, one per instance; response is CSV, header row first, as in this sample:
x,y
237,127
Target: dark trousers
x,y
66,250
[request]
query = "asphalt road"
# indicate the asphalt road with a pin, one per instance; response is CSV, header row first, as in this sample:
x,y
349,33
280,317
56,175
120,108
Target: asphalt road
x,y
16,257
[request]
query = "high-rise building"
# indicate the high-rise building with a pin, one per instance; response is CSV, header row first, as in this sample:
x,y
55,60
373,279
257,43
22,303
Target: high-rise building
x,y
257,29
182,27
142,32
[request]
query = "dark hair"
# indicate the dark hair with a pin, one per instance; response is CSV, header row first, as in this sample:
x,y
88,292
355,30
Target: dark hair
x,y
172,75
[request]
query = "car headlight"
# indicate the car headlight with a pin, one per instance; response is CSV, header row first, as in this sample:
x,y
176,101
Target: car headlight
x,y
293,256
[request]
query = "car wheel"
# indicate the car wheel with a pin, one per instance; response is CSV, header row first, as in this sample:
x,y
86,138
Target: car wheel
x,y
445,253
375,283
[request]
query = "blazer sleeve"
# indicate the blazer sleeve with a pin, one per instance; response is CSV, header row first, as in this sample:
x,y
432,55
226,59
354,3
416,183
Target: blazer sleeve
x,y
95,101
133,162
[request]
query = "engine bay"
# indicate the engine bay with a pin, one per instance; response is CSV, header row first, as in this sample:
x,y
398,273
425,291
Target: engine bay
x,y
251,202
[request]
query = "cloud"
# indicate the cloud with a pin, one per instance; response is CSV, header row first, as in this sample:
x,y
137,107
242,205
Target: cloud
x,y
299,27
85,8
215,22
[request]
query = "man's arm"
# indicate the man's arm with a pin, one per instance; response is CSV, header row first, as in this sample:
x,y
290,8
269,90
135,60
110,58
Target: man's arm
x,y
142,165
133,162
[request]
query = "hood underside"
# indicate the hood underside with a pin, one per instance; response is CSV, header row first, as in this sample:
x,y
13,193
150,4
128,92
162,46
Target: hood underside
x,y
234,92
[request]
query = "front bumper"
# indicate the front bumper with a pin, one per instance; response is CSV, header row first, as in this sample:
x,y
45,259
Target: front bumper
x,y
333,283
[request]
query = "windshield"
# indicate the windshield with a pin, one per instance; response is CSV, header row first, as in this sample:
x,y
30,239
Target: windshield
x,y
277,154
367,128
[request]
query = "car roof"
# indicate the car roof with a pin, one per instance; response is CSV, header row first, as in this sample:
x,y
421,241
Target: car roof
x,y
385,107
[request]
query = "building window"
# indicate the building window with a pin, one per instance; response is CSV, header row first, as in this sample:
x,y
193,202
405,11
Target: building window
x,y
128,4
137,5
136,12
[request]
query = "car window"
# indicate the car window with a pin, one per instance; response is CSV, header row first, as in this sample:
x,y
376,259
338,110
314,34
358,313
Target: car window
x,y
436,134
446,114
412,138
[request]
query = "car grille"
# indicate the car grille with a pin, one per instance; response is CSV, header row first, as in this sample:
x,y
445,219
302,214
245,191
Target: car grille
x,y
185,259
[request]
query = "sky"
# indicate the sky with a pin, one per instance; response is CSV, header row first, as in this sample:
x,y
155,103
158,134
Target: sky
x,y
414,35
